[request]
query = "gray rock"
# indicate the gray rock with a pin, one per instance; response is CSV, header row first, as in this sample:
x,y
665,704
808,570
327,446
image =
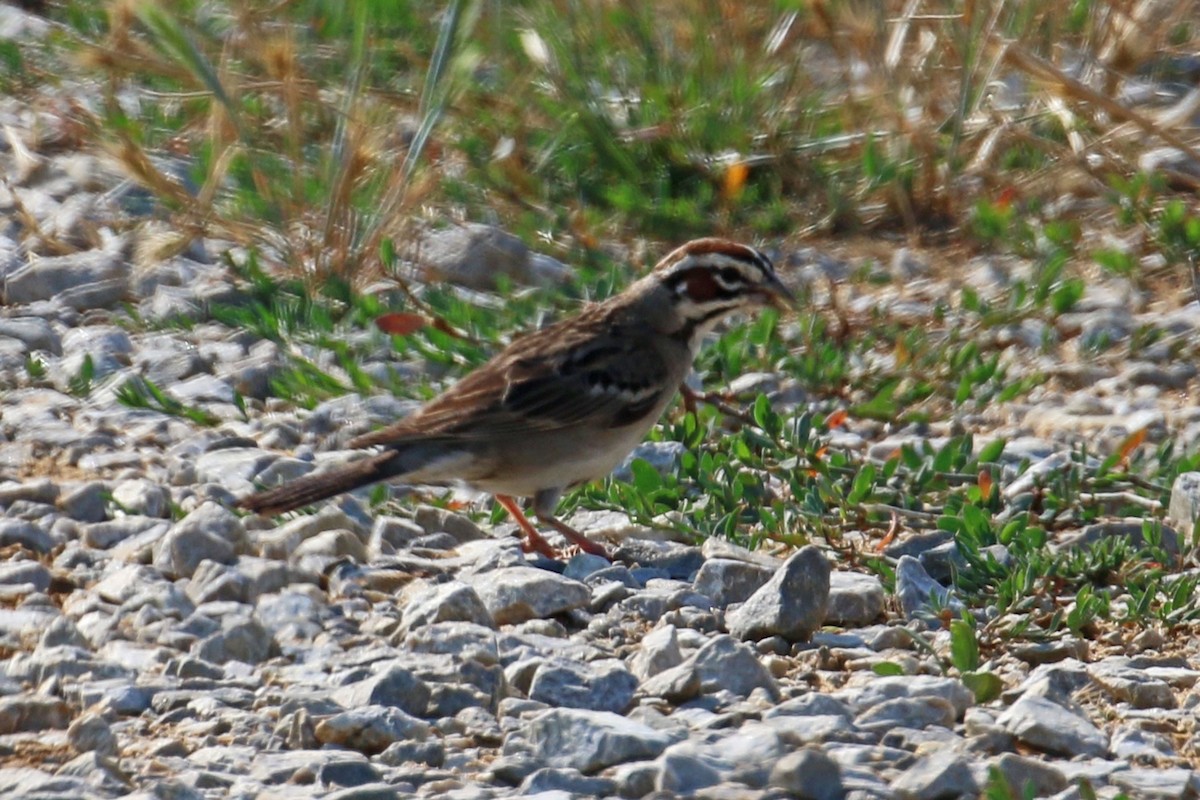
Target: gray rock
x,y
97,340
446,602
808,705
663,456
915,687
1131,530
603,685
439,520
635,779
1038,653
298,766
902,712
87,502
394,533
235,468
1184,508
675,685
26,534
34,491
91,733
683,772
855,599
34,332
725,663
281,542
394,686
1057,682
105,535
62,631
20,713
1176,783
914,588
334,545
26,782
1047,726
1024,773
677,561
370,729
582,565
591,740
741,756
792,604
943,774
210,532
291,616
1137,746
808,774
240,639
431,753
202,389
467,640
516,594
43,278
28,573
101,772
141,497
568,780
476,255
727,581
1129,684
659,650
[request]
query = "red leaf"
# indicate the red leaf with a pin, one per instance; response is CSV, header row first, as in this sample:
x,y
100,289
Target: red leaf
x,y
400,324
985,484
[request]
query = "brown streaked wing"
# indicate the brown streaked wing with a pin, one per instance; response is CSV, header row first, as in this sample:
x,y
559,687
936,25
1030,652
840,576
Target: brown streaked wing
x,y
541,382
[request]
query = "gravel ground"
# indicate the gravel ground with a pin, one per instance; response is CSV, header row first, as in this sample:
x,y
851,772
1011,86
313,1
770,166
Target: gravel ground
x,y
156,644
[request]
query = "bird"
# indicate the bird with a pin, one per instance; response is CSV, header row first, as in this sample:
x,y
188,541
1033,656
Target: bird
x,y
563,405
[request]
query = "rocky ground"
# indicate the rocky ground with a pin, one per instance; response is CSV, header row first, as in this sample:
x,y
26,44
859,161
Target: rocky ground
x,y
156,644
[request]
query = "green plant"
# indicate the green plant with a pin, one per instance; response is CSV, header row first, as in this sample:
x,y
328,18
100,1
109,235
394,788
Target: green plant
x,y
144,393
80,384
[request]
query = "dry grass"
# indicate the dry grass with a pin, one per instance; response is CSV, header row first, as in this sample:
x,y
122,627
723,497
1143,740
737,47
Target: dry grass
x,y
581,122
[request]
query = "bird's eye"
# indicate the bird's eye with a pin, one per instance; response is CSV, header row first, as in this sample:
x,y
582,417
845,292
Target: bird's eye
x,y
730,276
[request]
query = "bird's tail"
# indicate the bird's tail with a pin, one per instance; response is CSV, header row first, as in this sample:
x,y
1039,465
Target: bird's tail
x,y
319,485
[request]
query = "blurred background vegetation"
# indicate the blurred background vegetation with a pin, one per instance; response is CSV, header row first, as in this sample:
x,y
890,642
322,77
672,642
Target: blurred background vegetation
x,y
316,129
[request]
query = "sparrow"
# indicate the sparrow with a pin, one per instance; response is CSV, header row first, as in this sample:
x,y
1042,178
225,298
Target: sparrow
x,y
563,405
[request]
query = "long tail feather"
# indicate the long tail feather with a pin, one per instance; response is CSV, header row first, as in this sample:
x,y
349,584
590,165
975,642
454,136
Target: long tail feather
x,y
319,485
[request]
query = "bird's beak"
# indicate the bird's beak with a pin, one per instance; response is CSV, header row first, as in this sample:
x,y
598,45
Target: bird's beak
x,y
779,295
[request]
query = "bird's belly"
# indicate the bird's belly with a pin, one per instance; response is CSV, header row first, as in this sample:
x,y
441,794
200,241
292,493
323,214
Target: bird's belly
x,y
557,465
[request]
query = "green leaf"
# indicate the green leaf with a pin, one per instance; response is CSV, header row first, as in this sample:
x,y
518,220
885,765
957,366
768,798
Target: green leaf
x,y
645,476
882,406
964,649
887,669
764,416
990,452
987,686
1067,295
864,482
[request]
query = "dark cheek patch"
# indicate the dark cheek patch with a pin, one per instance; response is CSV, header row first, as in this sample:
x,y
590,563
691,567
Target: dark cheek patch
x,y
701,287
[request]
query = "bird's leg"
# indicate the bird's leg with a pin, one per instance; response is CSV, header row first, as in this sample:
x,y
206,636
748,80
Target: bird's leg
x,y
544,503
690,399
533,539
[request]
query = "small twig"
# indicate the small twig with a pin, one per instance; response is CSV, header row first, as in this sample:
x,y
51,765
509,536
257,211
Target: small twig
x,y
893,529
1121,497
692,398
883,508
